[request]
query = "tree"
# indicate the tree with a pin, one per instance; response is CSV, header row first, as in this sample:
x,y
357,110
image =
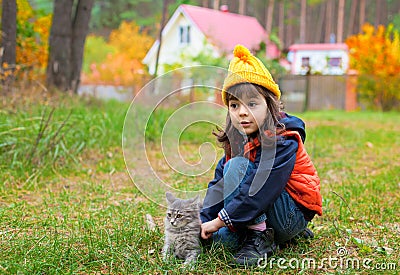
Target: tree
x,y
362,14
328,21
281,21
8,39
317,34
380,10
216,4
340,21
303,14
67,38
352,17
269,16
118,62
108,15
375,54
162,25
242,7
33,29
290,18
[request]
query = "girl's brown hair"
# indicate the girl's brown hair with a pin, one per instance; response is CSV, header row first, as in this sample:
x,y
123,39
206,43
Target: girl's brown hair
x,y
231,139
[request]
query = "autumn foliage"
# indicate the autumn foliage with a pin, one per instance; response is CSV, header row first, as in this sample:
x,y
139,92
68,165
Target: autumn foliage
x,y
375,55
122,64
115,62
32,42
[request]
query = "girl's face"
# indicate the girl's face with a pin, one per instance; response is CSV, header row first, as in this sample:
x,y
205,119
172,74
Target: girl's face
x,y
248,113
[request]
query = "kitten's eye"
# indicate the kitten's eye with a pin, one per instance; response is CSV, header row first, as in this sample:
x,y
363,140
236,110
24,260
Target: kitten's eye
x,y
178,216
169,215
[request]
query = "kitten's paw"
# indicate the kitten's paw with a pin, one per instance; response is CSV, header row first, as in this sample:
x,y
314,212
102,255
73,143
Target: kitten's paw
x,y
165,257
189,264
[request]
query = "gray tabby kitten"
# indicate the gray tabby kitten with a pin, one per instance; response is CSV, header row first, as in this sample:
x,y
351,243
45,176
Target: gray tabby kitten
x,y
182,229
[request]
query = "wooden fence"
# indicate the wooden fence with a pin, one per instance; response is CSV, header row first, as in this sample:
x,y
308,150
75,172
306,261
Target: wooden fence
x,y
318,92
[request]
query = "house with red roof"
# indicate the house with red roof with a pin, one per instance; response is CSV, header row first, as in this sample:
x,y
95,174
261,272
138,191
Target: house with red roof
x,y
192,30
323,58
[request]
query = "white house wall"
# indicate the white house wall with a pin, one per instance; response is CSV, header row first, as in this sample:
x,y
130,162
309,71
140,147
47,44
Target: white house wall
x,y
318,61
172,50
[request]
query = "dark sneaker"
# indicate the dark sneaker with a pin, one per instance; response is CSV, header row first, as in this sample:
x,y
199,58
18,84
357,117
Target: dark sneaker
x,y
307,234
257,245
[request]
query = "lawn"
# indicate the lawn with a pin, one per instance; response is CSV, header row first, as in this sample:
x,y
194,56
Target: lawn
x,y
68,205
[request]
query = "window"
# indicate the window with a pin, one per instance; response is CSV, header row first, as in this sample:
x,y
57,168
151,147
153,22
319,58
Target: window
x,y
305,62
305,65
335,62
184,34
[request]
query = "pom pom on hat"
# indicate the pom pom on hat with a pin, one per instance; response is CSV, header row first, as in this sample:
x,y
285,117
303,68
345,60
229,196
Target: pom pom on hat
x,y
241,52
246,68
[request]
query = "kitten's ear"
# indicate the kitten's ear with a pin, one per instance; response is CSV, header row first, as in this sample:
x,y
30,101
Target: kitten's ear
x,y
196,201
170,197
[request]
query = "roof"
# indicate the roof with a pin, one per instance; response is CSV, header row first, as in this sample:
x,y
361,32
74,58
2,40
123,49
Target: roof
x,y
318,47
224,29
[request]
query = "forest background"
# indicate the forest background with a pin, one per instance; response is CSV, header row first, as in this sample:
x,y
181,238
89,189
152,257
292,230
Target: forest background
x,y
122,31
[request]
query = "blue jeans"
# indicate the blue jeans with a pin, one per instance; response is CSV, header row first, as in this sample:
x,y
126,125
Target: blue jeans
x,y
283,216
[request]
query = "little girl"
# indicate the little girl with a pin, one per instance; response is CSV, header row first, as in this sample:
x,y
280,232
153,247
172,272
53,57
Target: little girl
x,y
265,189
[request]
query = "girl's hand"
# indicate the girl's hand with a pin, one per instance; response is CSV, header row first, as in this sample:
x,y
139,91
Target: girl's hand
x,y
210,227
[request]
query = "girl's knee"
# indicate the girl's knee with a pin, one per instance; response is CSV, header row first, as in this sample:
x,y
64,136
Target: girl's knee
x,y
235,172
237,164
286,218
294,225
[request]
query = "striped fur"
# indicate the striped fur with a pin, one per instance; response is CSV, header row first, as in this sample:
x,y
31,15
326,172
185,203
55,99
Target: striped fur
x,y
182,229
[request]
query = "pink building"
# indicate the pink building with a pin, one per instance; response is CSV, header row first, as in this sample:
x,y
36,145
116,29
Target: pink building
x,y
326,59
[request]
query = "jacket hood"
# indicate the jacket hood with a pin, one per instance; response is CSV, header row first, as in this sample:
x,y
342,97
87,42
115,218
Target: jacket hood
x,y
294,123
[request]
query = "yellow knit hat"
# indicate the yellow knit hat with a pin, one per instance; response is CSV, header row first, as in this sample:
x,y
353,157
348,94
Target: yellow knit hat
x,y
246,68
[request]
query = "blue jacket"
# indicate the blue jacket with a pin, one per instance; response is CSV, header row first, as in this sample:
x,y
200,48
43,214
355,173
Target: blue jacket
x,y
274,172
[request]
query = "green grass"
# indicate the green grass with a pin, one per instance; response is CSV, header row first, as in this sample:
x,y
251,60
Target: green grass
x,y
36,139
72,208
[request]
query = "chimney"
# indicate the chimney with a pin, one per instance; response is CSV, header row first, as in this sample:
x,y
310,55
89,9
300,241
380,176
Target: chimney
x,y
224,8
